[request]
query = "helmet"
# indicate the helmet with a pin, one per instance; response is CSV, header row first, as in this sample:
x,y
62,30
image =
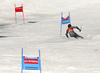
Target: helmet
x,y
69,25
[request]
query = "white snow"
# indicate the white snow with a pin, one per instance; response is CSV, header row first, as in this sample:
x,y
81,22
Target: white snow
x,y
58,54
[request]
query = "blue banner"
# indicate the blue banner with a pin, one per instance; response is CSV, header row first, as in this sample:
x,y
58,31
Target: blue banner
x,y
65,20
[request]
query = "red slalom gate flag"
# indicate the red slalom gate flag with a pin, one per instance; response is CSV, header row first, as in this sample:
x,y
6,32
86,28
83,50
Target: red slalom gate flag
x,y
19,9
65,19
31,61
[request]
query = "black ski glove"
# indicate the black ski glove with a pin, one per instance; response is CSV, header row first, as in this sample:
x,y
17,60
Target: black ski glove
x,y
78,29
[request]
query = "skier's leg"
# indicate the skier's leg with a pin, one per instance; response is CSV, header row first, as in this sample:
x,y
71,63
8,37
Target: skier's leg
x,y
77,36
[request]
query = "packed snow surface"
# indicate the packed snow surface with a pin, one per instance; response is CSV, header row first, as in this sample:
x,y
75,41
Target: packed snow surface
x,y
58,53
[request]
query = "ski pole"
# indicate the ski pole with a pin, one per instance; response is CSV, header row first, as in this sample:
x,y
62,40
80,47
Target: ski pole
x,y
81,26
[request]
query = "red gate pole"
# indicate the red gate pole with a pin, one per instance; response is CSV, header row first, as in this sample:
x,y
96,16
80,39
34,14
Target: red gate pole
x,y
15,18
23,17
15,14
23,14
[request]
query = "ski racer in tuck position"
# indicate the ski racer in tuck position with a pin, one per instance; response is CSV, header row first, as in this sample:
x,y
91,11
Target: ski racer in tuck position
x,y
71,32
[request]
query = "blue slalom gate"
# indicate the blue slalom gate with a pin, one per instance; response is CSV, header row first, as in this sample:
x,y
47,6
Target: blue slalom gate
x,y
31,63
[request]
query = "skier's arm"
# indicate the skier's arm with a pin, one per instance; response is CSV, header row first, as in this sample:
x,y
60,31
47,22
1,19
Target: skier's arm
x,y
67,34
77,28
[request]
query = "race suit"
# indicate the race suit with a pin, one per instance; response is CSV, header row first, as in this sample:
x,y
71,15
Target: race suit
x,y
72,33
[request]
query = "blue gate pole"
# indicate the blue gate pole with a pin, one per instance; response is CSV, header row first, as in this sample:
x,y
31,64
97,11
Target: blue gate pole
x,y
61,24
39,53
40,61
69,18
21,61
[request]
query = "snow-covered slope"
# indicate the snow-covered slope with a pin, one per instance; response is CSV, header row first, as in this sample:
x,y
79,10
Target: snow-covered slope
x,y
58,54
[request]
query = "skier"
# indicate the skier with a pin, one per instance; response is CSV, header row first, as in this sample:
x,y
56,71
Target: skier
x,y
71,32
